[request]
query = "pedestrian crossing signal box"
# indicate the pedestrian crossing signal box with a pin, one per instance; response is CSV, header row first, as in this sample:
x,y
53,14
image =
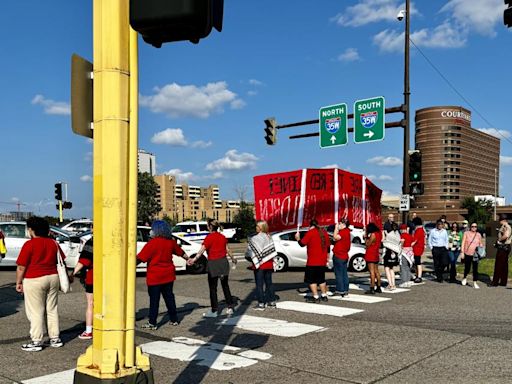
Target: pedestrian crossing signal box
x,y
164,21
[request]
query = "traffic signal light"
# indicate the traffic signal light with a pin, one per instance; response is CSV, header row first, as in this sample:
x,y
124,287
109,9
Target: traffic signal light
x,y
58,191
507,14
67,205
416,188
163,21
415,166
270,131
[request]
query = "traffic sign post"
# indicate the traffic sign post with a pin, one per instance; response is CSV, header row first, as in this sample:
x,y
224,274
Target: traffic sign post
x,y
333,127
369,120
405,203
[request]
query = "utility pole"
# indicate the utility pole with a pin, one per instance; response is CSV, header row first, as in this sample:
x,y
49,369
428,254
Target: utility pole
x,y
113,357
407,93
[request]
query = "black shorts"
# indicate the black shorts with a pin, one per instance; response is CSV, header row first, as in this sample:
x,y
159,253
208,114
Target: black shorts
x,y
88,288
390,261
314,275
417,260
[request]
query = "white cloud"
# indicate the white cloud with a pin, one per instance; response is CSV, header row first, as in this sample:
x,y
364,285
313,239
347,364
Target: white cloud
x,y
86,178
443,36
382,161
255,82
52,107
170,136
201,144
252,93
182,176
380,177
233,161
189,100
499,133
215,176
505,160
331,166
370,11
350,54
479,15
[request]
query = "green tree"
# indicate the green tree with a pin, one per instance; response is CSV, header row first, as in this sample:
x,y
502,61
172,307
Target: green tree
x,y
244,219
479,212
169,221
147,205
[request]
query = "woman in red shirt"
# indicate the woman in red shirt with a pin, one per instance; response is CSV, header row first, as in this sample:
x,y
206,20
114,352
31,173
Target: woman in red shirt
x,y
340,259
418,247
216,245
406,257
37,279
85,262
160,275
318,245
372,255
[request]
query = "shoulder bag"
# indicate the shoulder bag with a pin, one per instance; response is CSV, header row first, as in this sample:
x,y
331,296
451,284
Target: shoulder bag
x,y
63,273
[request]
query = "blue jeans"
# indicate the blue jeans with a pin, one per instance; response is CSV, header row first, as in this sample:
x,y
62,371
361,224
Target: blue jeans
x,y
263,277
453,255
341,274
165,290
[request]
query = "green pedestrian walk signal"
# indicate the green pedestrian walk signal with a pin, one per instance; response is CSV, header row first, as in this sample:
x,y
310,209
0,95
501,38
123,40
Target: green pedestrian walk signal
x,y
369,120
333,127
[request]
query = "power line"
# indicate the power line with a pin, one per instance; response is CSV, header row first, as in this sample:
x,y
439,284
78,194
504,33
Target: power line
x,y
457,92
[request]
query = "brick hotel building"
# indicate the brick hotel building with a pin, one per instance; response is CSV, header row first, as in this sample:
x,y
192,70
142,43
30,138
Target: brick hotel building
x,y
457,161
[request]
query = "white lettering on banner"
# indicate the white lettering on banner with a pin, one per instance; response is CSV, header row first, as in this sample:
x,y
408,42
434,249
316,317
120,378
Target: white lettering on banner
x,y
333,111
456,114
369,105
357,210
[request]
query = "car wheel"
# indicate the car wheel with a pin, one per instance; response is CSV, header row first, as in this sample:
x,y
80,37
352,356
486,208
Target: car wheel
x,y
356,240
281,262
358,263
198,267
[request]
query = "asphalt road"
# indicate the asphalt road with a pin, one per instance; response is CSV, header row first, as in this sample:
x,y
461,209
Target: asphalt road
x,y
433,333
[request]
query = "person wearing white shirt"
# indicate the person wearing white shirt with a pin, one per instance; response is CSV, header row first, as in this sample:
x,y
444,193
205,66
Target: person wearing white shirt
x,y
438,243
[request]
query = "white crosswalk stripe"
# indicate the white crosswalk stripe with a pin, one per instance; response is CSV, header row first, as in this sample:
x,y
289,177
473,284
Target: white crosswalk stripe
x,y
319,309
357,298
64,377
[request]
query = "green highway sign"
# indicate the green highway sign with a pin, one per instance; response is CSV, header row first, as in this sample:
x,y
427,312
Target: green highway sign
x,y
369,120
333,125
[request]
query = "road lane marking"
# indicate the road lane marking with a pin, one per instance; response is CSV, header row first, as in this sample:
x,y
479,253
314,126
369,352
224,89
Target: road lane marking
x,y
317,308
257,355
396,290
64,377
358,298
270,326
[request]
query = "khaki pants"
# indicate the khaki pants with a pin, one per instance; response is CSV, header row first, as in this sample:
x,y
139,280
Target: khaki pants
x,y
41,295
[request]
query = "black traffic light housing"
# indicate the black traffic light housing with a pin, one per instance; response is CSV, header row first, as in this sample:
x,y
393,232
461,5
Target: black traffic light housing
x,y
58,191
164,21
416,188
415,166
270,131
67,205
507,14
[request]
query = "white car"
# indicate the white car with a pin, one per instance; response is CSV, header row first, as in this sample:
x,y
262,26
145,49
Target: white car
x,y
198,230
78,226
143,237
291,254
16,235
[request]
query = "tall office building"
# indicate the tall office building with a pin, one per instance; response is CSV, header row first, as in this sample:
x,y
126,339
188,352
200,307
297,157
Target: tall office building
x,y
146,162
457,161
190,202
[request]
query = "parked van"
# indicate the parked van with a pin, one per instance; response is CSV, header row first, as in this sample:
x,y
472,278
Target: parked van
x,y
198,230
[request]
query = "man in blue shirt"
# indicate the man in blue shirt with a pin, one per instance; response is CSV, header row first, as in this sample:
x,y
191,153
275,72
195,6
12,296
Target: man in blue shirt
x,y
438,243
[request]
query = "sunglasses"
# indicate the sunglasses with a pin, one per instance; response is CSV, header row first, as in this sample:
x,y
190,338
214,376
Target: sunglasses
x,y
474,226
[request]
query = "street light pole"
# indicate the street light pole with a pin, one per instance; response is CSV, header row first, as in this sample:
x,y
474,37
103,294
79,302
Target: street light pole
x,y
407,93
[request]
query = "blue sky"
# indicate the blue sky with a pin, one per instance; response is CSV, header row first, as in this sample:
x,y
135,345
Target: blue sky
x,y
202,106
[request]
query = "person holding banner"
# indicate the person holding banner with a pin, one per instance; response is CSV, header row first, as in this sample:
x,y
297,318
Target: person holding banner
x,y
406,256
392,250
340,259
318,244
372,255
261,251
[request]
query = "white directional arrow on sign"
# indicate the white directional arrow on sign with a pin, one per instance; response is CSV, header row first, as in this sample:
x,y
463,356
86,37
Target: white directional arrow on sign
x,y
368,134
333,139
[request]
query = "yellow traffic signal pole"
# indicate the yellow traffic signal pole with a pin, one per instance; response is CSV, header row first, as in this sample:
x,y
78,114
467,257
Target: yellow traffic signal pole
x,y
61,218
113,357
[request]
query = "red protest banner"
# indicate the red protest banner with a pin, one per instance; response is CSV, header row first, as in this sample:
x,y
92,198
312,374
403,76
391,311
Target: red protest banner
x,y
291,199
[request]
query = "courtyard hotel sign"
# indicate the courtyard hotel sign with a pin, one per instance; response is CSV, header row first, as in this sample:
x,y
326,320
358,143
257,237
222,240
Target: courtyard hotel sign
x,y
455,114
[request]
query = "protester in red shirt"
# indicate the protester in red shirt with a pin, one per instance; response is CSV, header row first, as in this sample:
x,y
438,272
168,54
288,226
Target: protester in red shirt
x,y
86,262
318,245
37,279
418,247
372,256
161,273
406,257
340,259
216,245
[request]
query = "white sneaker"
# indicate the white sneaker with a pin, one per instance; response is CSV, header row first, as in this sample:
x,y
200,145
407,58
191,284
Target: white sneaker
x,y
464,281
475,285
229,311
210,314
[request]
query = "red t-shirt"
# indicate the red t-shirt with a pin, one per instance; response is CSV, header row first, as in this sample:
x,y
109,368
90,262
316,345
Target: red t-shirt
x,y
317,256
215,244
39,257
372,251
342,246
419,237
86,259
158,254
407,239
